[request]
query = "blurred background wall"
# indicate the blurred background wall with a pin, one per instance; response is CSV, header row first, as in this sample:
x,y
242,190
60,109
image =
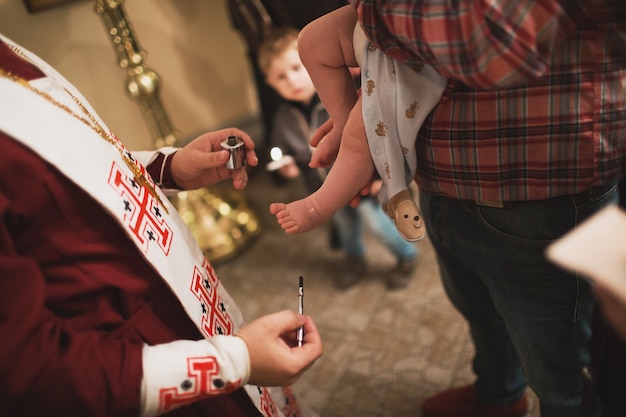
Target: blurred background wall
x,y
207,81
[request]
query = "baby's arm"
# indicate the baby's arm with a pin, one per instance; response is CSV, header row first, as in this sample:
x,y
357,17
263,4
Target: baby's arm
x,y
326,50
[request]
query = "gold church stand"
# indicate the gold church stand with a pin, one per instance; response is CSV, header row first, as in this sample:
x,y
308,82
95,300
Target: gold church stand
x,y
219,218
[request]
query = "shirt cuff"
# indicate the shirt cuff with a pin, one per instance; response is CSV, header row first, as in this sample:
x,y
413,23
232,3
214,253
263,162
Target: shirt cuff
x,y
185,371
160,168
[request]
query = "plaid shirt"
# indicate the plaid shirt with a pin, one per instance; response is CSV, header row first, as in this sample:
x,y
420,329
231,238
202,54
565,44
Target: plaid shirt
x,y
536,103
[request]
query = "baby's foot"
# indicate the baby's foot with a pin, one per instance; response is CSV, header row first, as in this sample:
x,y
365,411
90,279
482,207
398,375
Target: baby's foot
x,y
298,216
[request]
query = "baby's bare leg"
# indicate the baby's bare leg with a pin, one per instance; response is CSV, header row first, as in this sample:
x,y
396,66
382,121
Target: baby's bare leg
x,y
353,168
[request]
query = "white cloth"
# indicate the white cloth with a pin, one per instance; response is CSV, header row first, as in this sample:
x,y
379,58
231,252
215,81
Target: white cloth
x,y
396,100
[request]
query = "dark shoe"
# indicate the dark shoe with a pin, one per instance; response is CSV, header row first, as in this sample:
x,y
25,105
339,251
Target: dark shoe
x,y
351,272
401,276
459,402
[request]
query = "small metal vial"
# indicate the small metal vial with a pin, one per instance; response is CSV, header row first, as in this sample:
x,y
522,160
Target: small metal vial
x,y
235,147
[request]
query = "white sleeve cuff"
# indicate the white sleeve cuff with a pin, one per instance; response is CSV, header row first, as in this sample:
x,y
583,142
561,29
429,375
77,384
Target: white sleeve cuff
x,y
186,371
145,158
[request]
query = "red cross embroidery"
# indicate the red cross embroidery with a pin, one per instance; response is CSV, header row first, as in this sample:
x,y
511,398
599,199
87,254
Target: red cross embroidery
x,y
142,214
291,408
215,318
266,403
201,371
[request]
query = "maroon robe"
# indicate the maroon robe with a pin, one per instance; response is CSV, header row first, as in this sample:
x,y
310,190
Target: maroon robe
x,y
77,299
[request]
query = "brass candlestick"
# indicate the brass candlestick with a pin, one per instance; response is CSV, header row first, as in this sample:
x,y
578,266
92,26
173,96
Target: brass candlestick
x,y
220,220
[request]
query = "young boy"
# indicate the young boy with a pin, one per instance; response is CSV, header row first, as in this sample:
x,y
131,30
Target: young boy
x,y
296,118
395,100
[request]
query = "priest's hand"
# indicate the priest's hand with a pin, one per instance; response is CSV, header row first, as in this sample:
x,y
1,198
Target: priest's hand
x,y
275,358
202,162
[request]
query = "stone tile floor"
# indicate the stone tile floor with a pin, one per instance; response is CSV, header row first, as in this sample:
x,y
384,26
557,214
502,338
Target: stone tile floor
x,y
384,351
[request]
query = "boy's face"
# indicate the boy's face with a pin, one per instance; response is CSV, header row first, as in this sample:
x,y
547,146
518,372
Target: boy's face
x,y
290,78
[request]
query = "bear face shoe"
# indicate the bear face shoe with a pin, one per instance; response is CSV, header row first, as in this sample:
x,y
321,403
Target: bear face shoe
x,y
405,214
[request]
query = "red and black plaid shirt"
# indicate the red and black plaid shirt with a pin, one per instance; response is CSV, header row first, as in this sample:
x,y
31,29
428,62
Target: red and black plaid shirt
x,y
536,105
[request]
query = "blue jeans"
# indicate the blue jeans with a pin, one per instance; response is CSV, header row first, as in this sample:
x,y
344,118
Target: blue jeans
x,y
349,222
529,320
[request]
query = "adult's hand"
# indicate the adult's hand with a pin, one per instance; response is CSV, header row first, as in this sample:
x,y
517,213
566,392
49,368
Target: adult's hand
x,y
275,358
326,140
202,162
320,132
613,307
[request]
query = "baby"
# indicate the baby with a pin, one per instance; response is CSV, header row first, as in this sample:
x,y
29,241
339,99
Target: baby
x,y
394,102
